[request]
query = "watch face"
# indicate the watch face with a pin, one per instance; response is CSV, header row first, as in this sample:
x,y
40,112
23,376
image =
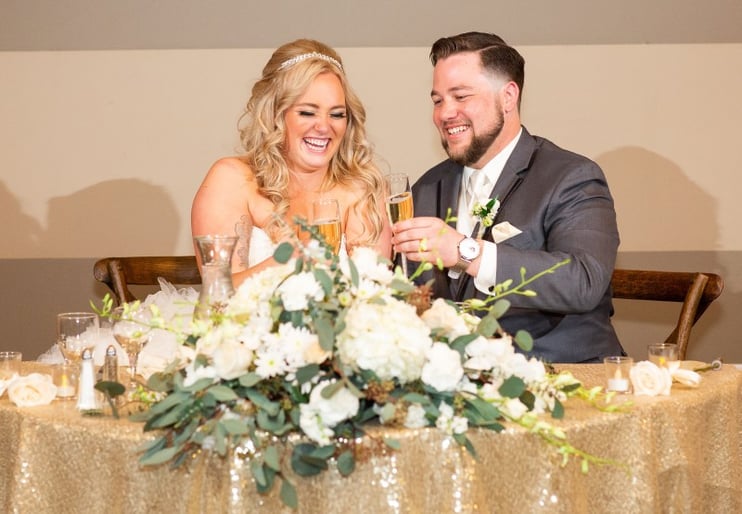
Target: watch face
x,y
469,248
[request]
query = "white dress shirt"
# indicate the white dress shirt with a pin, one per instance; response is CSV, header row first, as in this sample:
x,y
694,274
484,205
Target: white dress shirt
x,y
487,274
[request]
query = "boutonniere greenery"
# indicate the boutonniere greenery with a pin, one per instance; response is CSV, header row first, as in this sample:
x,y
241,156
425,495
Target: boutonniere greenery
x,y
485,214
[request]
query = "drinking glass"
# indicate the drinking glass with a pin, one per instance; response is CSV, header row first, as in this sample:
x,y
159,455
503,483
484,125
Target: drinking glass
x,y
399,203
76,331
131,328
10,364
326,219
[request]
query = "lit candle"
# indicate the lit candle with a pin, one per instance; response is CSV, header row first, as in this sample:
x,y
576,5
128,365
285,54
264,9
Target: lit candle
x,y
618,382
65,388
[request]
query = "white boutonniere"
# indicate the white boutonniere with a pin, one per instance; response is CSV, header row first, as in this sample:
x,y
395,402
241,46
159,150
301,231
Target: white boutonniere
x,y
485,214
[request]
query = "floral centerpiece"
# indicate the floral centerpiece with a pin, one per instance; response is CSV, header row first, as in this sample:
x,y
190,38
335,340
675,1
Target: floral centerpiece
x,y
321,347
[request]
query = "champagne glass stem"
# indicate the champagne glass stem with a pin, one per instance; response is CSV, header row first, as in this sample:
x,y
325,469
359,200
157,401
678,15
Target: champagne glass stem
x,y
133,358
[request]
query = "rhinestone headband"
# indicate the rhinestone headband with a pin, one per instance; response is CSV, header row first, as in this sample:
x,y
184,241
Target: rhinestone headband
x,y
316,55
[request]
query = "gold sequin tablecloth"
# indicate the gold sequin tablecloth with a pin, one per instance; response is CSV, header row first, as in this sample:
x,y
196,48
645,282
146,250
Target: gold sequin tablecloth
x,y
683,452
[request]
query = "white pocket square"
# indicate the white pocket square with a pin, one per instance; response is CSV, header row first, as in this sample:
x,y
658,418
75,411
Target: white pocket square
x,y
503,231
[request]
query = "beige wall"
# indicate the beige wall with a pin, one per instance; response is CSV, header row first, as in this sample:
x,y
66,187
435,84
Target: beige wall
x,y
103,150
111,145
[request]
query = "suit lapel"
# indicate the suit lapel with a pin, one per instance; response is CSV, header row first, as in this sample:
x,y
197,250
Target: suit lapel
x,y
513,174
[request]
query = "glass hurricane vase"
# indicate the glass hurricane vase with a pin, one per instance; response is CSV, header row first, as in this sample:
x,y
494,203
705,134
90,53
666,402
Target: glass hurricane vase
x,y
215,253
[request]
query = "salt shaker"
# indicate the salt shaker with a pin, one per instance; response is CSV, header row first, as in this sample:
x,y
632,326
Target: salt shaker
x,y
86,394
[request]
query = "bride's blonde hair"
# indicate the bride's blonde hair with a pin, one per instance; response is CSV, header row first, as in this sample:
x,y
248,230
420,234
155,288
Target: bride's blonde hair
x,y
286,76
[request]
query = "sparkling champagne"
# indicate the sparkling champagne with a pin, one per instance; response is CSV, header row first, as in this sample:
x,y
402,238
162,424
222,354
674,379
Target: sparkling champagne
x,y
330,230
400,207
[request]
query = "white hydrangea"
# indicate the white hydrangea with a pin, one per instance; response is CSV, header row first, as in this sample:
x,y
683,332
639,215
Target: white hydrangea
x,y
387,338
297,290
415,417
449,423
443,370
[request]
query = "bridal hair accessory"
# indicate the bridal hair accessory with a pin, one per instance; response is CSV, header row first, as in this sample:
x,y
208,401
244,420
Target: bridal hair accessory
x,y
316,55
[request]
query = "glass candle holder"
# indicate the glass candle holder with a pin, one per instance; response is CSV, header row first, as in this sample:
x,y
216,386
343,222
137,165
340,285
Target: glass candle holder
x,y
617,373
662,353
10,364
65,377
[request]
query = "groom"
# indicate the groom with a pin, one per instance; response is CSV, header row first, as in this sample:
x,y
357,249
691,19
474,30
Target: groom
x,y
551,205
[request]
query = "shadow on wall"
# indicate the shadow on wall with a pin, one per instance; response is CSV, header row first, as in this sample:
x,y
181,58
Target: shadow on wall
x,y
657,204
22,234
121,217
51,270
667,222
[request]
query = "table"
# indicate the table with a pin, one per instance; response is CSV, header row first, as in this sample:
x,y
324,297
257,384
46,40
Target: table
x,y
683,452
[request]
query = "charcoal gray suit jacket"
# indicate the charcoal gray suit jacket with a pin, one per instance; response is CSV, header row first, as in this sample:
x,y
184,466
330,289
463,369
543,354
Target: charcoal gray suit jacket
x,y
561,202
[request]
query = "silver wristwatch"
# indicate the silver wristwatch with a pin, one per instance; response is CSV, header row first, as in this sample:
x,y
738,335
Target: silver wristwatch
x,y
468,251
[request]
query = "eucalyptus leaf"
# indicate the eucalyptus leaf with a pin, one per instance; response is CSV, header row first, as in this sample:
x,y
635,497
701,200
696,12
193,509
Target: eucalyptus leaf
x,y
558,411
324,280
306,373
160,457
272,457
392,443
222,393
512,387
288,494
235,426
258,472
249,379
325,333
323,452
304,467
113,389
499,308
330,390
283,253
488,325
262,402
524,340
346,463
416,398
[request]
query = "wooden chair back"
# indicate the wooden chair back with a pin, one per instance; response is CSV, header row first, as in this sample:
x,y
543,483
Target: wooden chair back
x,y
118,273
694,290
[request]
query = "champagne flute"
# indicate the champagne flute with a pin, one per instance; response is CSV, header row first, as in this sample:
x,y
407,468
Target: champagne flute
x,y
399,203
76,332
326,219
131,328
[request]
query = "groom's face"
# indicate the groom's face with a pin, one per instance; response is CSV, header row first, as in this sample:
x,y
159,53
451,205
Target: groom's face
x,y
466,109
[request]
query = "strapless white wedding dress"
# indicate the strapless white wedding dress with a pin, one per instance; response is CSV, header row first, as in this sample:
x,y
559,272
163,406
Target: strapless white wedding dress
x,y
176,306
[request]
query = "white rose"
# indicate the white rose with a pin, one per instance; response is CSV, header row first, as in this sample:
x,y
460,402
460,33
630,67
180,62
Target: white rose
x,y
31,390
231,359
444,316
6,382
443,370
650,380
312,425
338,407
684,376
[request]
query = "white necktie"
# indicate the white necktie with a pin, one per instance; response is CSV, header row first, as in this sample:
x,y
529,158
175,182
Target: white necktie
x,y
476,188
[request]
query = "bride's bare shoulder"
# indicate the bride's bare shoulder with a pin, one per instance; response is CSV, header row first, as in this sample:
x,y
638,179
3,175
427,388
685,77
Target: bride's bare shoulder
x,y
231,168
